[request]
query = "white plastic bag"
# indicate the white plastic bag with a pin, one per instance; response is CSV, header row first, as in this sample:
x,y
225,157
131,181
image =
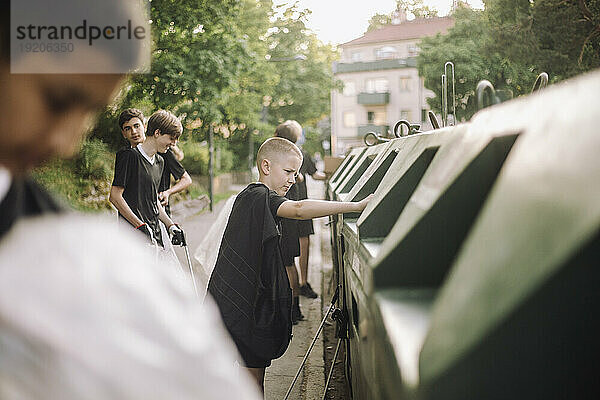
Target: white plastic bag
x,y
208,250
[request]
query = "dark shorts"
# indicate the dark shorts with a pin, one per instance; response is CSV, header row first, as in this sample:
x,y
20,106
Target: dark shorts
x,y
290,245
250,359
305,227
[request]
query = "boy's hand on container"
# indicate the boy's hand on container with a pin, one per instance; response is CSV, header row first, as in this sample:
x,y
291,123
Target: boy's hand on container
x,y
363,203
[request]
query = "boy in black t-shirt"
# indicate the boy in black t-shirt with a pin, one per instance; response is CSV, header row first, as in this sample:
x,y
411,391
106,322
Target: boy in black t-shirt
x,y
172,168
138,173
249,282
132,127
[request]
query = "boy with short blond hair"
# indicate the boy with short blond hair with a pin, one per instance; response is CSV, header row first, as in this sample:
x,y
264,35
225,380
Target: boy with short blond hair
x,y
249,282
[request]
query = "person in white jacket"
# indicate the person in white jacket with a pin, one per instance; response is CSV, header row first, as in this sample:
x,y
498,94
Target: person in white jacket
x,y
85,311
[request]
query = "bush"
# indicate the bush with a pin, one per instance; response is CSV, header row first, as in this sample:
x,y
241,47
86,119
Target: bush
x,y
95,161
60,178
195,160
227,161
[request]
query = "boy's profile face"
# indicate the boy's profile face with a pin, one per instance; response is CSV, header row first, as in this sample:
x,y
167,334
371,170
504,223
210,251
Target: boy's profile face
x,y
58,109
164,142
279,173
133,131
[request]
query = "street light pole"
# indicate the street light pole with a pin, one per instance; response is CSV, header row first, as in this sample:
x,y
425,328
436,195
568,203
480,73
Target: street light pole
x,y
211,151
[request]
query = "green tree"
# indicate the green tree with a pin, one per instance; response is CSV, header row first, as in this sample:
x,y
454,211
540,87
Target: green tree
x,y
416,8
243,100
378,21
463,45
412,8
198,53
509,44
304,83
567,35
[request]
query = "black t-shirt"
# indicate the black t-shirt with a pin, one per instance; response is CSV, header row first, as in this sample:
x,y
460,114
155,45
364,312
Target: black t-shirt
x,y
308,167
249,282
275,201
290,244
25,198
172,167
141,180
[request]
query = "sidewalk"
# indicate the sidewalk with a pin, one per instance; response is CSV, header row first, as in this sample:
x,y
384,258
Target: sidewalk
x,y
311,382
280,374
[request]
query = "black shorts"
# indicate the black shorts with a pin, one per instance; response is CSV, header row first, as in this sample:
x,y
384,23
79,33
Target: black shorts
x,y
290,245
305,227
250,359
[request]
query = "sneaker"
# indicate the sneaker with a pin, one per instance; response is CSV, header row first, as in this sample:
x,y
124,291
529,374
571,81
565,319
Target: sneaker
x,y
307,291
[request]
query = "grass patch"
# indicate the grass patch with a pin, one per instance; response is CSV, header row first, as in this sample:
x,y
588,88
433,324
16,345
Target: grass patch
x,y
83,194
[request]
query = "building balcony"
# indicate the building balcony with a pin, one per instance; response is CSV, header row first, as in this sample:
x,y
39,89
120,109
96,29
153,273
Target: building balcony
x,y
373,98
381,130
394,63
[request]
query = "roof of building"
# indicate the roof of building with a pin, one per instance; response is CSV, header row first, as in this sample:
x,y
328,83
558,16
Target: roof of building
x,y
414,29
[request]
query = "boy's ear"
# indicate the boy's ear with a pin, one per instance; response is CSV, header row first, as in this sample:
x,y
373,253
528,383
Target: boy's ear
x,y
156,132
265,167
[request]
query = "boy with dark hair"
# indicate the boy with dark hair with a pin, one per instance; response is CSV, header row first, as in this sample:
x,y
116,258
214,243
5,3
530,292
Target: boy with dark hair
x,y
249,283
138,173
131,123
132,127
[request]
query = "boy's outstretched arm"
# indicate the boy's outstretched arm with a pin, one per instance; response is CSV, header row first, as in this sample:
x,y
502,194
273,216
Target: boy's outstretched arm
x,y
308,209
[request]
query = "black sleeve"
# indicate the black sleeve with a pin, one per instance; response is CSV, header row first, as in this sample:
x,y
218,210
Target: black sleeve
x,y
122,165
308,165
275,201
173,166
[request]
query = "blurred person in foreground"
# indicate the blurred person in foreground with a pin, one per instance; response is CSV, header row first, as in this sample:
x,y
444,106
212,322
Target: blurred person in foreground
x,y
85,312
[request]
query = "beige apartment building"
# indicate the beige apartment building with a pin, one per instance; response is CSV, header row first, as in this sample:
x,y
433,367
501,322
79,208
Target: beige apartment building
x,y
381,81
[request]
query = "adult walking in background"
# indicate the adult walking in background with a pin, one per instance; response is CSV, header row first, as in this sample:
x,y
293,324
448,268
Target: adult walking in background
x,y
290,239
305,227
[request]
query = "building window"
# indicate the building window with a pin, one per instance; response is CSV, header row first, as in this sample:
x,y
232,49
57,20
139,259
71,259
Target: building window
x,y
349,119
386,52
405,83
349,88
405,114
413,50
356,56
376,117
379,85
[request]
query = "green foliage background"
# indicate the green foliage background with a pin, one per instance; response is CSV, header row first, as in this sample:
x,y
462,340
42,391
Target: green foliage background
x,y
510,43
240,67
237,66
